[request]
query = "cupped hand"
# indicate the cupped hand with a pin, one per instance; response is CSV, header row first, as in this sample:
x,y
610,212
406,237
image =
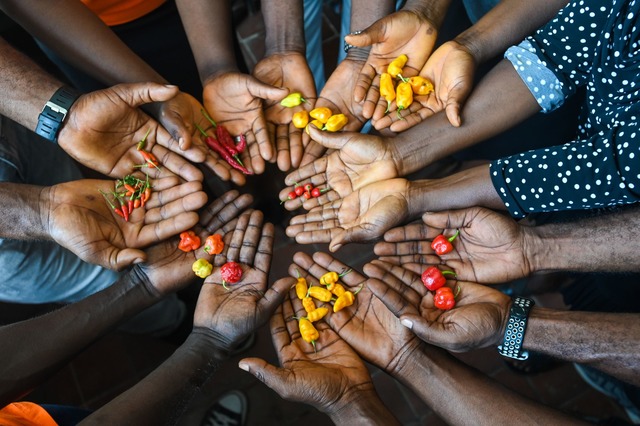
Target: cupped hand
x,y
367,326
327,377
477,320
337,95
80,219
361,217
490,248
290,70
403,32
345,169
232,311
103,129
234,100
168,269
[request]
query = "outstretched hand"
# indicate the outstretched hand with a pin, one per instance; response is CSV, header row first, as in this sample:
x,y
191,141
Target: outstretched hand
x,y
477,320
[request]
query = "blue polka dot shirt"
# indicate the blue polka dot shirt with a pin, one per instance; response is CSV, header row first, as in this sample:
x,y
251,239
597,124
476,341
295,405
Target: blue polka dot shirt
x,y
594,44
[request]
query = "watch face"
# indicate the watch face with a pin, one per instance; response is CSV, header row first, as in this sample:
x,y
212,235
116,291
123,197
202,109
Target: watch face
x,y
518,311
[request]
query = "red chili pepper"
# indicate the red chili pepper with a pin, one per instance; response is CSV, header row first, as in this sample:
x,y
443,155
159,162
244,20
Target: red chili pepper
x,y
129,188
225,139
442,245
136,203
130,205
242,143
291,196
433,278
308,187
231,272
222,151
150,159
444,298
306,195
316,192
119,212
299,190
125,210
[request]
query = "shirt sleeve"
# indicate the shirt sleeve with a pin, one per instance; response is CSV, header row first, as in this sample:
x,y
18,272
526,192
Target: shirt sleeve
x,y
585,174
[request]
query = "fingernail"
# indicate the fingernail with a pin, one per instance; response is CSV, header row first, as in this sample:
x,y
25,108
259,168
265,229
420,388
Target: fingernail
x,y
243,366
407,323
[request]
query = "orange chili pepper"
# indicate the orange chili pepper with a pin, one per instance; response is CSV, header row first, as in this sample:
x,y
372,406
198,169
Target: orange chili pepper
x,y
395,67
189,241
387,89
309,304
213,244
321,113
300,119
337,289
308,331
301,288
336,123
343,301
317,314
319,124
404,97
319,293
332,277
420,85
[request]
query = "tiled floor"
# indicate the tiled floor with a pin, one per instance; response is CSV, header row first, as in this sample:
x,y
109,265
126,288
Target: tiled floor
x,y
118,360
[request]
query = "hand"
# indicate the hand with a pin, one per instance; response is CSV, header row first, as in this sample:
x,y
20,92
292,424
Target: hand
x,y
478,320
329,377
234,100
288,70
168,268
403,32
368,326
232,313
490,249
451,68
361,217
79,219
104,127
337,95
344,170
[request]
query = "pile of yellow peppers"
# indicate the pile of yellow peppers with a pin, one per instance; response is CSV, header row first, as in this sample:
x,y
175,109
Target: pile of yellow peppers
x,y
333,292
403,92
323,117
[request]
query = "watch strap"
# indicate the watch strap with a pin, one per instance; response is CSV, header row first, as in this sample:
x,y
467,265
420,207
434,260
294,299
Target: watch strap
x,y
511,346
54,112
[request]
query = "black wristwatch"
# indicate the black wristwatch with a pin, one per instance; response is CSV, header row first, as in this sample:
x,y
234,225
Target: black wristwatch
x,y
511,346
54,112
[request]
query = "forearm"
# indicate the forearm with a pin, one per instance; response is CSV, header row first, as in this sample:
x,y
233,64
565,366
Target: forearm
x,y
56,337
506,24
499,101
468,188
432,10
87,43
162,396
23,211
209,29
283,20
607,341
605,243
365,409
25,87
363,14
461,395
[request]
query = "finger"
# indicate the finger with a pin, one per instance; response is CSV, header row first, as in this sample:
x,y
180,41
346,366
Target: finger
x,y
313,171
295,145
350,277
372,35
120,259
393,300
330,140
237,237
256,162
312,152
137,94
283,147
265,91
453,113
262,137
414,231
166,228
190,202
274,377
253,236
176,164
450,219
410,119
274,296
363,83
224,209
403,281
181,132
169,189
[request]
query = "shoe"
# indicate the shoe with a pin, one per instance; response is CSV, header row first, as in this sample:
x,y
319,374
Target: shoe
x,y
229,410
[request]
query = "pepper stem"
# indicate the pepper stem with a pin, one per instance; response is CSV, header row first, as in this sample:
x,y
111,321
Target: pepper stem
x,y
453,237
201,130
449,273
345,273
208,117
358,290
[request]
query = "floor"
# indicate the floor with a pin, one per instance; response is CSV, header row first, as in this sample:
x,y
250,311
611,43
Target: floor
x,y
119,360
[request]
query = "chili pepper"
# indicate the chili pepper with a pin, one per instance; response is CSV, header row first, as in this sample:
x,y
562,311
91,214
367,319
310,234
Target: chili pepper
x,y
420,85
442,245
115,209
308,331
319,293
202,268
308,187
189,241
308,304
316,192
150,159
306,195
129,188
301,287
444,298
143,141
387,89
322,114
346,299
317,314
336,123
337,289
231,272
300,119
221,150
319,124
433,278
404,97
332,277
224,138
136,203
292,100
125,210
130,206
395,67
213,244
298,190
290,196
145,196
242,143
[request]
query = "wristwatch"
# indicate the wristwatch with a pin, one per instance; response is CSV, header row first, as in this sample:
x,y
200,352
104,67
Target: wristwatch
x,y
511,346
54,113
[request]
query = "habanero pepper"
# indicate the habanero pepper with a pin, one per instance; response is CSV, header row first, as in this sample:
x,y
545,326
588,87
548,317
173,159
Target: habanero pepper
x,y
213,244
404,97
420,85
433,278
308,331
387,89
319,124
317,314
319,293
346,299
332,277
395,67
337,289
189,241
300,119
308,304
322,114
231,272
301,288
292,100
444,298
442,245
202,268
336,123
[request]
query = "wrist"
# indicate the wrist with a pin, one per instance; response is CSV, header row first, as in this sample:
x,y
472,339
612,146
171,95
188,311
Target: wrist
x,y
54,113
468,42
217,344
433,12
362,407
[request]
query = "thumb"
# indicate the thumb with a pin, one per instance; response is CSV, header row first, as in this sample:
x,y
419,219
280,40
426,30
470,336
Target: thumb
x,y
136,94
371,35
424,329
446,219
259,89
126,257
268,374
329,140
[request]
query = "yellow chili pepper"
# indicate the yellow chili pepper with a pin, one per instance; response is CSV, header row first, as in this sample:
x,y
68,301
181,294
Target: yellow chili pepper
x,y
300,119
395,67
420,85
309,304
301,288
336,123
321,114
319,124
202,268
337,289
292,100
308,331
404,97
332,277
343,301
317,314
387,89
319,293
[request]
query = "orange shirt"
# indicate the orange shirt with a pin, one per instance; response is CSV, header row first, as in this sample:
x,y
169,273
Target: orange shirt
x,y
25,414
116,12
